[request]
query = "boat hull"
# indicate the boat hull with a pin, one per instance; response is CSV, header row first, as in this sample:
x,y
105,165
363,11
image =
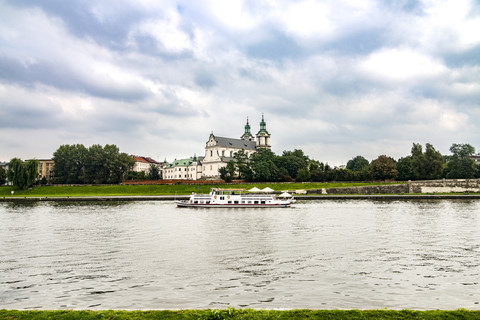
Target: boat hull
x,y
186,204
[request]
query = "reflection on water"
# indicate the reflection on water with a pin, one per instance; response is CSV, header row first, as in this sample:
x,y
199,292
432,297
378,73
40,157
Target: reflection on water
x,y
318,254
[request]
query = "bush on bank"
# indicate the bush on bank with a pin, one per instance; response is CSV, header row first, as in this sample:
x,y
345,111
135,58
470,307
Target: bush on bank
x,y
231,313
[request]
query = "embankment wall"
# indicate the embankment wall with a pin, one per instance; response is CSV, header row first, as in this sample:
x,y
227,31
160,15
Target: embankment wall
x,y
424,186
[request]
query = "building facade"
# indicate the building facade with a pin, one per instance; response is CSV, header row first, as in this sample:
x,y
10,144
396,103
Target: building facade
x,y
218,152
183,169
45,169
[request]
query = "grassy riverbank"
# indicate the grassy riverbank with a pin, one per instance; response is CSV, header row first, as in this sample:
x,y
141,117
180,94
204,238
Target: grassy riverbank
x,y
151,190
243,314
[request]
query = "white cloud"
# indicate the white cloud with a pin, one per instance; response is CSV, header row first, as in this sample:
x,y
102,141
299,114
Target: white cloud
x,y
401,65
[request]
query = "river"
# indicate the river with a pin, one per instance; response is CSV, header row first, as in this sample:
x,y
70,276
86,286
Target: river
x,y
331,254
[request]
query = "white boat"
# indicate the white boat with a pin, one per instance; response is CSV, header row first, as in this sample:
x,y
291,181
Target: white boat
x,y
235,198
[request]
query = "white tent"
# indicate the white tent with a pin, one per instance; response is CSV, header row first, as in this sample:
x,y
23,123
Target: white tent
x,y
254,189
285,195
267,190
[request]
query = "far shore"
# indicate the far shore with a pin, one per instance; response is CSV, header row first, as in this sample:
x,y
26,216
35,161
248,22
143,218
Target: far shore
x,y
298,197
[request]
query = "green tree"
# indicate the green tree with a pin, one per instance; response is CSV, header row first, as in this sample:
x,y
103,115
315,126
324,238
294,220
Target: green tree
x,y
426,165
97,164
263,167
242,166
358,163
404,167
3,176
383,168
460,165
224,174
22,174
303,175
153,172
292,161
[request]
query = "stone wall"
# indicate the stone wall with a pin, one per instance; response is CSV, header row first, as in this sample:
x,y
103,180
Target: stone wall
x,y
424,186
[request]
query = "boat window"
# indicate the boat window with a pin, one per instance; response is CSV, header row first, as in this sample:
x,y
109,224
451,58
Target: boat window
x,y
263,201
255,202
195,201
208,202
229,202
222,198
236,202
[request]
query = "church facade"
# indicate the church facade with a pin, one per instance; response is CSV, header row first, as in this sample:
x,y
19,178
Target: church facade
x,y
218,152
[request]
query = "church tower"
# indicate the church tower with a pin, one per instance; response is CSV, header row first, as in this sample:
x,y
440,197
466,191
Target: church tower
x,y
263,137
247,135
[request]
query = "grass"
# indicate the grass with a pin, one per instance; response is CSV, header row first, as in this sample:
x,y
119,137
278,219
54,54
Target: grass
x,y
149,190
231,313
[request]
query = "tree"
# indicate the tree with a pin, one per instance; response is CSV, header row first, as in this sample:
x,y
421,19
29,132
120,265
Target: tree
x,y
404,167
292,161
22,174
97,164
153,172
241,162
460,165
3,176
263,167
383,168
224,174
303,175
357,164
426,165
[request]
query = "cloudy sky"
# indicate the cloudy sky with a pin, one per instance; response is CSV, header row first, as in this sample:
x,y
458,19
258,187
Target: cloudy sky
x,y
335,78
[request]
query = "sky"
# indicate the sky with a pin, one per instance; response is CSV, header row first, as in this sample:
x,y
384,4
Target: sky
x,y
335,78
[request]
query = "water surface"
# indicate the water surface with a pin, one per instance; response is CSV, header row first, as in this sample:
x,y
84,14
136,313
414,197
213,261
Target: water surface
x,y
344,254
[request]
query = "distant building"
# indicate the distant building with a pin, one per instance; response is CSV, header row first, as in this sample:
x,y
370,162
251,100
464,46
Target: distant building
x,y
184,169
45,169
143,164
476,158
218,152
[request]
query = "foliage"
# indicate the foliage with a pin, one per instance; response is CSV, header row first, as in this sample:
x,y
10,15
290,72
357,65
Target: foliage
x,y
241,163
358,163
383,168
75,164
426,165
232,313
153,172
460,165
22,174
223,173
3,176
404,168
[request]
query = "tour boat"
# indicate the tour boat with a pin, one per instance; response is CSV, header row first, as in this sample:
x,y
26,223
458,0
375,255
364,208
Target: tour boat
x,y
236,198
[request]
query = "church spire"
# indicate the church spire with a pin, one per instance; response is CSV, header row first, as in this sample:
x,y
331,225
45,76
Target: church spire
x,y
247,135
263,137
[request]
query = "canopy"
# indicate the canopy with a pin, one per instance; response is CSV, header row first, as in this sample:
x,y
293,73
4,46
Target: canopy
x,y
254,189
285,195
267,189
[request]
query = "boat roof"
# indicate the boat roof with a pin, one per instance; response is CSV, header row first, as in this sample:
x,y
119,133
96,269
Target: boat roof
x,y
225,189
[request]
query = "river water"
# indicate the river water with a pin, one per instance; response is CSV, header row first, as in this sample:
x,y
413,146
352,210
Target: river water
x,y
343,254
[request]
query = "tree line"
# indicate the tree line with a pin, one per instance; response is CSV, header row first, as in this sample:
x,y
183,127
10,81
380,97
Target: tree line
x,y
294,165
77,164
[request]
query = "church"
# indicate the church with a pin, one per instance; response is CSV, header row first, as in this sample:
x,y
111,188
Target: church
x,y
218,152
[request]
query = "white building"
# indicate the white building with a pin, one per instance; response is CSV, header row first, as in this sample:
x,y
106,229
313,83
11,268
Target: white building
x,y
218,152
184,169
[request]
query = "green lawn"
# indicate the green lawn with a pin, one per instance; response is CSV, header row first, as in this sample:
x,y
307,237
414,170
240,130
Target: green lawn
x,y
148,190
243,314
